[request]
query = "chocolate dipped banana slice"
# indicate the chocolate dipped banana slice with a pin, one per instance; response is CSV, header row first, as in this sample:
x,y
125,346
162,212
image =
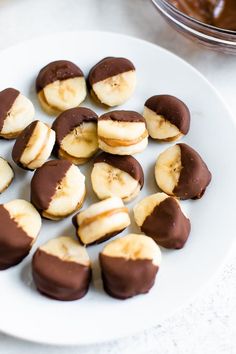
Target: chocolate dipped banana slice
x,y
76,135
160,217
115,175
122,132
20,225
129,265
61,269
181,172
112,81
34,145
16,112
60,85
57,189
6,174
167,117
101,221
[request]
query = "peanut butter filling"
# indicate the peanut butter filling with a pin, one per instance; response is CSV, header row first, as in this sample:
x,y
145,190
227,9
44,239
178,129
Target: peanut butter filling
x,y
117,142
105,214
76,160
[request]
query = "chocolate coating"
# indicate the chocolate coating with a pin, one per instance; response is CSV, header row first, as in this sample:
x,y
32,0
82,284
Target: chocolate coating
x,y
194,176
7,98
167,225
22,142
213,12
226,17
15,244
122,116
124,278
172,109
125,163
58,279
45,181
70,119
57,70
109,67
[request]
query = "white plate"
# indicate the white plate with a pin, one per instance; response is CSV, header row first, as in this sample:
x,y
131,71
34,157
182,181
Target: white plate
x,y
97,317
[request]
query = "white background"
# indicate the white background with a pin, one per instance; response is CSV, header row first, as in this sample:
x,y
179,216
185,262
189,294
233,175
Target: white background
x,y
209,324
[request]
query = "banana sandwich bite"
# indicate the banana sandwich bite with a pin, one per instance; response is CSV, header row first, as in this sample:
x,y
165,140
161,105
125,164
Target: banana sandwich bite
x,y
122,132
60,85
6,174
115,175
20,225
76,135
16,112
112,81
129,265
61,269
57,189
34,145
160,217
181,172
101,221
167,117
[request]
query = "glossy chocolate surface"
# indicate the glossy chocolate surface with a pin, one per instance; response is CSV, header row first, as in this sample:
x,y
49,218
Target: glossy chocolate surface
x,y
60,279
122,116
218,13
70,119
15,244
172,109
45,182
167,225
194,176
124,278
109,67
57,70
7,99
125,163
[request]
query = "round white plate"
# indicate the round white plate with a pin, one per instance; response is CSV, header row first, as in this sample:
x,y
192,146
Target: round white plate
x,y
97,317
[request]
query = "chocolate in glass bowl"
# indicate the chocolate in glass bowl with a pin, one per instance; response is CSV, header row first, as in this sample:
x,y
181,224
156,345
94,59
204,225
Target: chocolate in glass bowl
x,y
208,22
218,13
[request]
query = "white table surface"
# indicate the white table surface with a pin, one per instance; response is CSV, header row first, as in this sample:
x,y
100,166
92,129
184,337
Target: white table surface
x,y
208,325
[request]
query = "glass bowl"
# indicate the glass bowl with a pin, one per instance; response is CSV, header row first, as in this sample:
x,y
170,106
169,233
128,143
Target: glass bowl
x,y
213,37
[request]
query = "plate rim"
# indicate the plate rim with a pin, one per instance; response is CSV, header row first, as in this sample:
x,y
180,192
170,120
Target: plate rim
x,y
207,284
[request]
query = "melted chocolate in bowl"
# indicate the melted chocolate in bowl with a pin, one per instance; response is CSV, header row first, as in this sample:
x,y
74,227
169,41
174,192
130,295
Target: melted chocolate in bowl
x,y
218,13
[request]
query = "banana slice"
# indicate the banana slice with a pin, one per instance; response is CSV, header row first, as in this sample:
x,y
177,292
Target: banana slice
x,y
112,81
167,117
62,269
180,171
6,174
129,265
122,132
16,112
34,145
101,221
160,217
57,189
20,226
168,168
146,206
65,94
115,90
60,85
76,135
115,175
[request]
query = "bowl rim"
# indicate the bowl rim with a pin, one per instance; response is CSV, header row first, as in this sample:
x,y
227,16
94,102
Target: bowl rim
x,y
195,21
